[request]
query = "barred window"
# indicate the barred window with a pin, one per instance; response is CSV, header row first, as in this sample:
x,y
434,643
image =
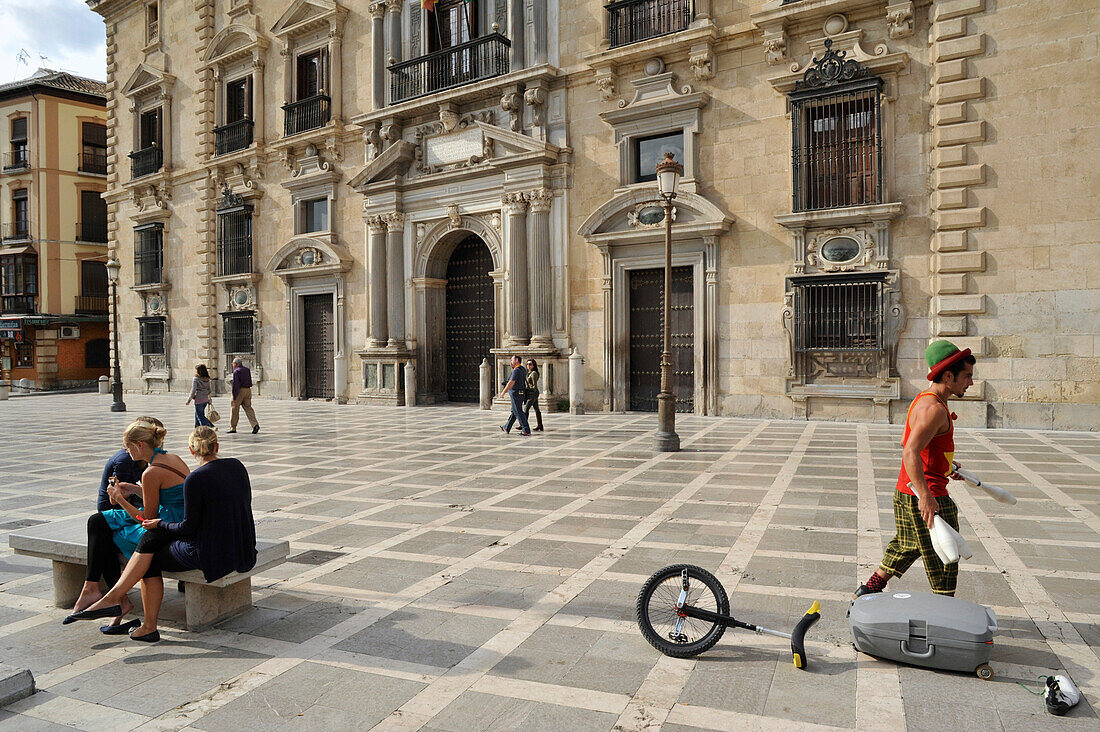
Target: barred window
x,y
235,241
152,336
237,332
148,254
837,140
838,312
24,355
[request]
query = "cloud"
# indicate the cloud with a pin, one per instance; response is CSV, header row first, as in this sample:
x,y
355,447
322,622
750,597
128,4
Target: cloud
x,y
66,32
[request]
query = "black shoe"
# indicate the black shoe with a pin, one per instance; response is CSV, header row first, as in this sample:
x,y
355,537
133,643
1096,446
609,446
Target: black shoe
x,y
147,638
111,611
539,429
181,588
255,429
863,590
121,628
231,432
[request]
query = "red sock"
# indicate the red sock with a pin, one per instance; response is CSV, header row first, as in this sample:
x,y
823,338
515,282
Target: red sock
x,y
876,583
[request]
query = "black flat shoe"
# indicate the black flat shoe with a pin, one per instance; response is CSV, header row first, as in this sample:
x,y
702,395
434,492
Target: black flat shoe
x,y
147,638
121,628
112,611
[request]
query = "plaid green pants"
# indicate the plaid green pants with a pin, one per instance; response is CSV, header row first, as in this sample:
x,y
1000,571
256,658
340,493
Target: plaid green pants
x,y
912,540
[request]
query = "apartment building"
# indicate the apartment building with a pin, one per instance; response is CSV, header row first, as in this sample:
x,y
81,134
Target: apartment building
x,y
53,224
367,201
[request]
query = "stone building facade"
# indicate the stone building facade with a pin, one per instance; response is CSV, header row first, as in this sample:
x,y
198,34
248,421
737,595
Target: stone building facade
x,y
367,201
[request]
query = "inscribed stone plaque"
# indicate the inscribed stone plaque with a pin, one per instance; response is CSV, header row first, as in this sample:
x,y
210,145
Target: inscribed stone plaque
x,y
457,147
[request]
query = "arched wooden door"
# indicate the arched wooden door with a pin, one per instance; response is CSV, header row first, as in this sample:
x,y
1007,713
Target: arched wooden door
x,y
469,316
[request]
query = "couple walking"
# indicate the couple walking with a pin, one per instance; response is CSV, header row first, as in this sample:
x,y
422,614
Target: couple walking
x,y
202,390
522,389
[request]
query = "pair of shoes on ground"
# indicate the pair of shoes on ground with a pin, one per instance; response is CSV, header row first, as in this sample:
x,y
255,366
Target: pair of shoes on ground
x,y
128,629
234,430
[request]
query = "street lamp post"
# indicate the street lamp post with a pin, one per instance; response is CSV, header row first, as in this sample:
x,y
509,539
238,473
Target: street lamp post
x,y
668,178
117,405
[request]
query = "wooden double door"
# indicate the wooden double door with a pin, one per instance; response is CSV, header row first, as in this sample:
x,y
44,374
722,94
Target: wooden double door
x,y
646,301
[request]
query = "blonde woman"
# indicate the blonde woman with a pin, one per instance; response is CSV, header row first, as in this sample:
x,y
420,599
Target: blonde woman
x,y
200,394
120,529
216,535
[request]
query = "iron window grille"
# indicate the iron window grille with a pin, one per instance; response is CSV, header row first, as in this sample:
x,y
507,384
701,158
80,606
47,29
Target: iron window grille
x,y
151,336
24,355
149,254
836,124
238,333
631,21
839,324
234,235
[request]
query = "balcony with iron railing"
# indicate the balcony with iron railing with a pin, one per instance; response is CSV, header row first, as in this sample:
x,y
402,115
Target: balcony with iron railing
x,y
146,161
307,114
233,136
631,21
17,159
17,230
94,232
21,304
93,162
476,60
91,304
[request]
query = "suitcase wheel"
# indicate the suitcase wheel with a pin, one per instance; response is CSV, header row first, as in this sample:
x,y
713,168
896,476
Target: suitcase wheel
x,y
984,672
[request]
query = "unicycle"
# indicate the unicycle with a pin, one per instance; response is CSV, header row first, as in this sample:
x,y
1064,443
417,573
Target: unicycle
x,y
683,610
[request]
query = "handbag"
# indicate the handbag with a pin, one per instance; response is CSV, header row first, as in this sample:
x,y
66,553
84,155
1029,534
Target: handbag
x,y
211,413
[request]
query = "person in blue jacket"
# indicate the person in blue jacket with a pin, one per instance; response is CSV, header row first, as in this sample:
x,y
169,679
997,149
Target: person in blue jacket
x,y
122,468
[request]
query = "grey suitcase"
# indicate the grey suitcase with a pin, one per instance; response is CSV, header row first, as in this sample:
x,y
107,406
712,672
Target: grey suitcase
x,y
934,631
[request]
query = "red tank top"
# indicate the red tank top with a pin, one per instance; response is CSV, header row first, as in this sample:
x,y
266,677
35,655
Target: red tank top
x,y
936,459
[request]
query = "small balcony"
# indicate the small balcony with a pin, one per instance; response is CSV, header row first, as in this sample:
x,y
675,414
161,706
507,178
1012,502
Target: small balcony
x,y
17,159
93,162
233,136
632,21
91,304
17,304
481,58
146,161
307,114
18,230
95,233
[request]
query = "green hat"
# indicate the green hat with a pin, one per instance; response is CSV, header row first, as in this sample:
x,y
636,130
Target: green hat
x,y
940,355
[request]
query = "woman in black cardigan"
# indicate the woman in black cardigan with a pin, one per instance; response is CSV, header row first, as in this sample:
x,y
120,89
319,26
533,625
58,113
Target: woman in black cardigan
x,y
216,535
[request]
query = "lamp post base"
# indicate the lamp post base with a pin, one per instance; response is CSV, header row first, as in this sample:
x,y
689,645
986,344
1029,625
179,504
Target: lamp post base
x,y
118,407
667,442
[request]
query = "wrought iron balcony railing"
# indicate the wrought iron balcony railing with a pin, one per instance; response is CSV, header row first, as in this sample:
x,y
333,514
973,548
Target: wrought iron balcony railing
x,y
91,304
17,304
638,20
17,159
481,58
18,229
307,114
91,232
93,162
146,161
233,136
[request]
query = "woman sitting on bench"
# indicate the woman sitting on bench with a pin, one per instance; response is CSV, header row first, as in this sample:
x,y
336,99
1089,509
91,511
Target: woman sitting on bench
x,y
216,535
119,529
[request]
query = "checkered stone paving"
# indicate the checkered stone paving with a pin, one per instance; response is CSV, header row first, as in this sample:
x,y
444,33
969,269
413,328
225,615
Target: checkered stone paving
x,y
444,576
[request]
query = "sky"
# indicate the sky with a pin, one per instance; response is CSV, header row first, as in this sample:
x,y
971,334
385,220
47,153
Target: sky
x,y
66,32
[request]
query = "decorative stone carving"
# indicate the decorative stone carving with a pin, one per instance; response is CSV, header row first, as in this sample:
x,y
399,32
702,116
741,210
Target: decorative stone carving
x,y
899,19
605,82
390,132
701,60
395,221
241,297
454,216
373,140
510,103
448,116
540,200
310,257
636,220
376,224
424,133
775,45
377,10
494,221
514,202
535,97
830,69
864,256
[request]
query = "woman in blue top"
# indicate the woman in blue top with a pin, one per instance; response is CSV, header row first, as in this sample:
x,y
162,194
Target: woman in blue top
x,y
119,529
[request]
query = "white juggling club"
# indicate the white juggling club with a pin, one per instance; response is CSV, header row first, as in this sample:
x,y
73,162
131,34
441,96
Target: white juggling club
x,y
997,493
947,542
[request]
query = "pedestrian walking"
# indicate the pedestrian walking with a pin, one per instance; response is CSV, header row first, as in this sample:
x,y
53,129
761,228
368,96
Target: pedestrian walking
x,y
531,395
200,394
927,462
242,397
515,388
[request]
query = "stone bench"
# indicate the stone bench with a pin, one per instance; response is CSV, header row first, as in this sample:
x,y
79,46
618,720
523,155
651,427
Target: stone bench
x,y
65,543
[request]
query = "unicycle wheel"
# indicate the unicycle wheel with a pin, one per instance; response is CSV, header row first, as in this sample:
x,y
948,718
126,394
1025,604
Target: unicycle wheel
x,y
984,672
663,627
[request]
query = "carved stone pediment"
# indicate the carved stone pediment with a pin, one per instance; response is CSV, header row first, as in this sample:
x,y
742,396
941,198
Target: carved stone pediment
x,y
306,15
234,42
309,256
622,219
147,79
392,163
311,169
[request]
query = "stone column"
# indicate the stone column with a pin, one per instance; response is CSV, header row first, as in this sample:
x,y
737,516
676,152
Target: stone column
x,y
518,331
516,27
395,278
335,73
376,253
256,101
542,297
393,32
378,55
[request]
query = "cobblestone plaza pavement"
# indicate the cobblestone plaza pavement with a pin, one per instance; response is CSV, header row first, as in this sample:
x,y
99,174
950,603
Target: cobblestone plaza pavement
x,y
444,576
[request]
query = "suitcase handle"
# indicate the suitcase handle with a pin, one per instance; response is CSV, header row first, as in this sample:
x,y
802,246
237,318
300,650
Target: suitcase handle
x,y
926,654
